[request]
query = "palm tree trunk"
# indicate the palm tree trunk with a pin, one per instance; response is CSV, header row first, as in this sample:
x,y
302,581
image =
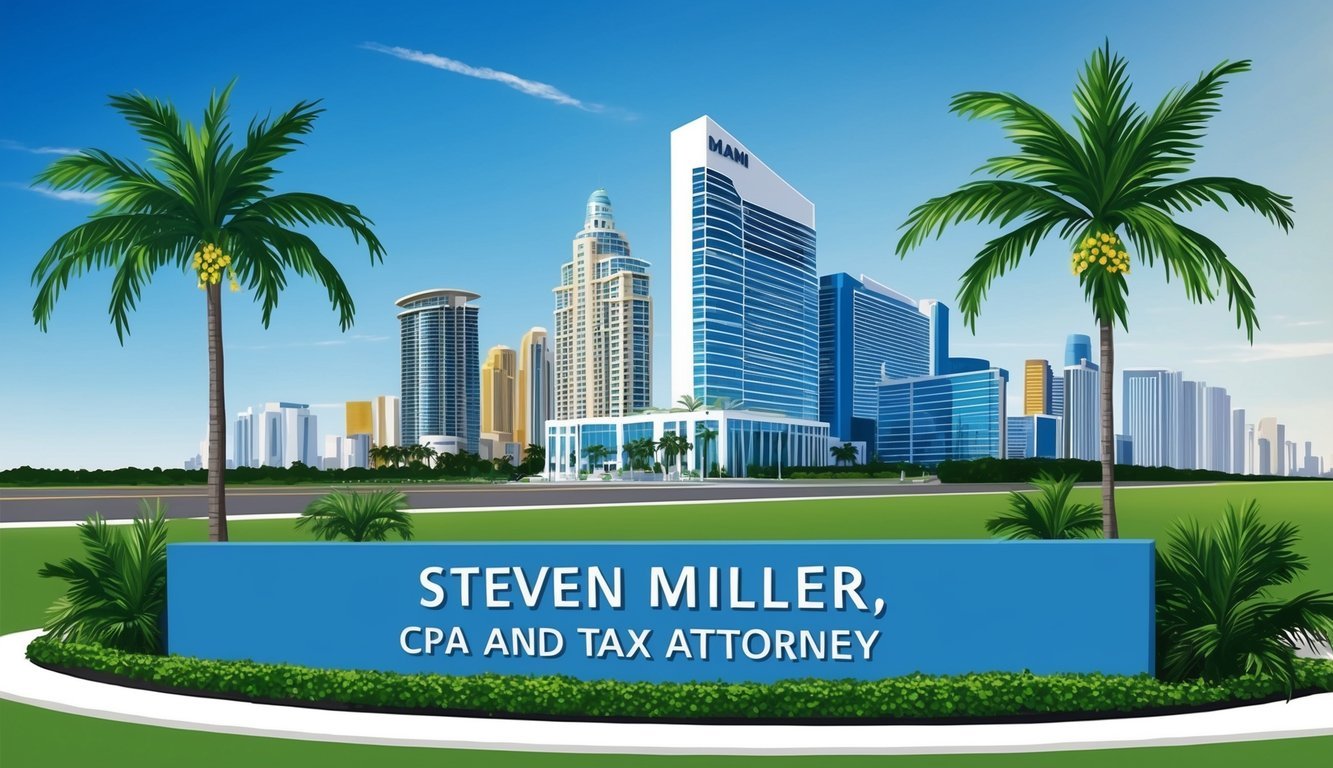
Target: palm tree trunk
x,y
217,420
1110,527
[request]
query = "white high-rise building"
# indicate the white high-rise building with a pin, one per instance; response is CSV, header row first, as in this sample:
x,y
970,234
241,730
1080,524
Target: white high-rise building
x,y
333,451
603,323
744,290
287,433
1082,411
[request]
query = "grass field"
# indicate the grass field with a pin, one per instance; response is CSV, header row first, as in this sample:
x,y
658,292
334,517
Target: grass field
x,y
29,735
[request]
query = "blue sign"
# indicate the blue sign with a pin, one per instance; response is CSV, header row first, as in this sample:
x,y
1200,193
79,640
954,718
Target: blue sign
x,y
734,611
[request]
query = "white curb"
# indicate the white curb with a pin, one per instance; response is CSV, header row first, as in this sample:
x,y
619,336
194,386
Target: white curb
x,y
24,682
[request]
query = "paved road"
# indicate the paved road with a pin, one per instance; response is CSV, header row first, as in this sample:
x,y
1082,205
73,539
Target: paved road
x,y
64,504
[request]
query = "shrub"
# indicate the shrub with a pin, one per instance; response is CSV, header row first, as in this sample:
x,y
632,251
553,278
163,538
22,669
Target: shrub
x,y
988,695
358,516
1215,615
117,594
1047,514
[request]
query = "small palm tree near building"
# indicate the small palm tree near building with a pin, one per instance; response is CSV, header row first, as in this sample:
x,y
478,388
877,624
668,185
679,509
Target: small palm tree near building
x,y
596,455
1047,514
353,516
202,208
705,437
689,403
844,453
1111,192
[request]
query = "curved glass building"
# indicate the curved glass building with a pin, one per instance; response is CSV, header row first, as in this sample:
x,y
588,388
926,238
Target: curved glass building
x,y
441,376
744,292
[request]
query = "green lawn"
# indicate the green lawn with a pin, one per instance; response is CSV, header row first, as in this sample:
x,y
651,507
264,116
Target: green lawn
x,y
29,735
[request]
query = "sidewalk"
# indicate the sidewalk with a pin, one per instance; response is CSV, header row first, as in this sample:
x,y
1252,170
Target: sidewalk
x,y
27,683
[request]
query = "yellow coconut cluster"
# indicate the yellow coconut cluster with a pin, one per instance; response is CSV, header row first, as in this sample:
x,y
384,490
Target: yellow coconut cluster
x,y
1101,251
210,263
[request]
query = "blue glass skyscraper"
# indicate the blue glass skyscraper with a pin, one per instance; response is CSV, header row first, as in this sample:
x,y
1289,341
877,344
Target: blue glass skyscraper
x,y
440,368
930,419
744,292
1079,347
867,332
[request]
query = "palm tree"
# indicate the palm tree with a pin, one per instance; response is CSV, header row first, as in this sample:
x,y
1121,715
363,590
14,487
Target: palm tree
x,y
844,452
705,436
596,455
1217,612
358,516
116,595
1048,514
534,459
203,207
690,402
1110,192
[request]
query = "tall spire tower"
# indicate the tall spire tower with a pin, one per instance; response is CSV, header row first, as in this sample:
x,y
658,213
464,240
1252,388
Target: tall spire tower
x,y
603,322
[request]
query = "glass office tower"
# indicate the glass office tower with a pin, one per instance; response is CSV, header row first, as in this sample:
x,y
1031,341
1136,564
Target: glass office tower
x,y
867,332
744,292
441,375
929,419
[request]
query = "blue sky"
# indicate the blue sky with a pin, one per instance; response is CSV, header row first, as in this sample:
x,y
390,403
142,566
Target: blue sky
x,y
479,183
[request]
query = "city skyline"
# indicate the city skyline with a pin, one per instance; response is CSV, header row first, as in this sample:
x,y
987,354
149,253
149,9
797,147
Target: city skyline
x,y
160,370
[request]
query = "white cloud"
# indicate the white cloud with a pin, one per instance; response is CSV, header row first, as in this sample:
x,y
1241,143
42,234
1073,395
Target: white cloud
x,y
9,144
1291,350
68,195
530,87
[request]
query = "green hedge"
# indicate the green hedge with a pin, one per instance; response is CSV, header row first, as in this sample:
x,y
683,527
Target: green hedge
x,y
914,697
1024,470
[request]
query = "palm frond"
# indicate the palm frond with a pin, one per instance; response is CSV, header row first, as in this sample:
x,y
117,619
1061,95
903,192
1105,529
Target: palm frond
x,y
986,201
1188,194
1105,118
1164,143
159,125
267,141
999,256
265,251
305,209
1047,152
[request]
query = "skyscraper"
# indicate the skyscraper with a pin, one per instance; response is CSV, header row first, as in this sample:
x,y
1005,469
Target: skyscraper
x,y
1189,426
867,332
286,433
1082,413
1217,429
536,392
243,439
1150,413
1272,441
1078,347
929,419
744,291
359,417
441,391
498,385
1239,463
1036,387
387,422
603,322
1033,436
